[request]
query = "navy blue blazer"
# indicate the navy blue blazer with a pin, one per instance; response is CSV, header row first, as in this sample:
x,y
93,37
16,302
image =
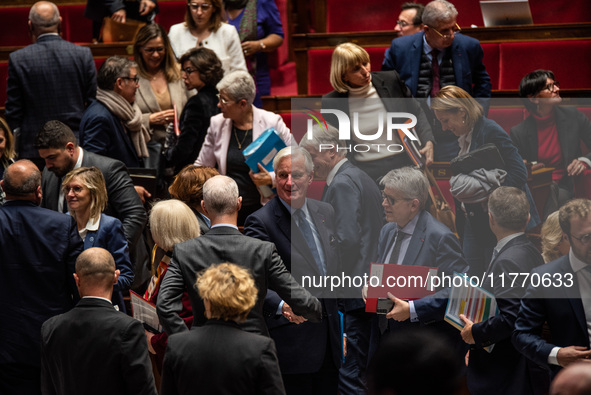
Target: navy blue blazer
x,y
103,133
357,203
110,236
38,251
298,345
404,56
432,244
559,306
52,79
504,370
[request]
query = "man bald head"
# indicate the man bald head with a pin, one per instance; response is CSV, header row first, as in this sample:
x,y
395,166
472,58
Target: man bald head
x,y
575,379
22,181
96,273
44,17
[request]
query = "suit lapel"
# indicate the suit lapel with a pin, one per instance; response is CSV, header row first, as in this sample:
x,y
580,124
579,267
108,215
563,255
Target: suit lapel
x,y
415,62
147,95
416,241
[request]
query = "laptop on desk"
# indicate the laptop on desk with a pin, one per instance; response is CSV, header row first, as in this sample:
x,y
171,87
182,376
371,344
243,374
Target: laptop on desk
x,y
505,12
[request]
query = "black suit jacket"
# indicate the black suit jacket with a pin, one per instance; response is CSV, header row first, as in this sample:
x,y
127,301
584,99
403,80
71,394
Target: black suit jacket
x,y
227,244
226,360
359,216
504,370
95,349
560,306
123,201
38,251
300,347
389,86
572,126
52,79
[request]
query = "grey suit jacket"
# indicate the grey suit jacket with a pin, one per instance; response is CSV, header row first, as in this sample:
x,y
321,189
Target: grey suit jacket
x,y
52,79
123,201
115,357
146,101
226,244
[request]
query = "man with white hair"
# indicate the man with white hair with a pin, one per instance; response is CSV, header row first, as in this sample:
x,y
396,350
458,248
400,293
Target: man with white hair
x,y
438,57
359,217
225,243
52,79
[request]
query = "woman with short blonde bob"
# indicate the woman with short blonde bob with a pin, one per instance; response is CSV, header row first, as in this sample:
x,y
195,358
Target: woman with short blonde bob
x,y
370,95
171,222
86,195
554,242
226,356
462,115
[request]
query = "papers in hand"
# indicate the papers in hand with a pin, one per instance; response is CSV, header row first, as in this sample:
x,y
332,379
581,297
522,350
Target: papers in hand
x,y
145,312
476,303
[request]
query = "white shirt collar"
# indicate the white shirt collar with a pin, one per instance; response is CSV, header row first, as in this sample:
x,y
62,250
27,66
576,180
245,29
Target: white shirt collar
x,y
334,171
409,228
575,263
80,157
47,34
503,242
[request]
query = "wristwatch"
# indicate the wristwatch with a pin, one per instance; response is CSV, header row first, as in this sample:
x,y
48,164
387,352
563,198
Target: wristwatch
x,y
263,46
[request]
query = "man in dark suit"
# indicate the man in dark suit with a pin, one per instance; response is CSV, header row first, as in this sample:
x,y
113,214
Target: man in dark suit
x,y
459,62
58,147
225,243
119,11
413,237
50,79
110,355
309,353
38,248
112,125
503,369
564,302
356,200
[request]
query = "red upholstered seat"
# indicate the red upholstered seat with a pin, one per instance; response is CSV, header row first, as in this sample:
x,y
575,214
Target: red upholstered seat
x,y
360,16
491,61
315,190
14,26
563,57
171,13
281,55
507,117
75,27
3,82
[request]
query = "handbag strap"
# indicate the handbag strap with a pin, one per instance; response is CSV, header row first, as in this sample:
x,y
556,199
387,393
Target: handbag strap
x,y
433,182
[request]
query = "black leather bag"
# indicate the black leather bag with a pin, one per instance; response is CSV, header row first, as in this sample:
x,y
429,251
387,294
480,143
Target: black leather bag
x,y
486,157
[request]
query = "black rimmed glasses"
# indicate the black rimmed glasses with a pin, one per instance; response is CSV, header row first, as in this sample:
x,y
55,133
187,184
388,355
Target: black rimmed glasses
x,y
391,199
151,50
552,86
447,36
189,70
404,24
135,79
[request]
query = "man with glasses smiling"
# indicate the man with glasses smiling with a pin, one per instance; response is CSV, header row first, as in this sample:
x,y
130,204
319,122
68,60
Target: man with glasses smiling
x,y
112,125
564,302
438,57
410,19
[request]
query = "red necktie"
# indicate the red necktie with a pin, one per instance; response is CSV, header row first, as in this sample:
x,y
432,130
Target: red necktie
x,y
435,72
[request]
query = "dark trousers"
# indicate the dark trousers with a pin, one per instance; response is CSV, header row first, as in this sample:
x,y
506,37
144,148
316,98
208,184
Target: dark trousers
x,y
352,372
323,382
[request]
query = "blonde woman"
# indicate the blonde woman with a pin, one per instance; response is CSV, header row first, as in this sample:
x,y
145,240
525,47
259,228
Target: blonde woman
x,y
171,222
86,195
554,242
221,355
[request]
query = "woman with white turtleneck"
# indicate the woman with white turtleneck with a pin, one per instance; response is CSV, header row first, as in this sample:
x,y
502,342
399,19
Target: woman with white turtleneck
x,y
371,96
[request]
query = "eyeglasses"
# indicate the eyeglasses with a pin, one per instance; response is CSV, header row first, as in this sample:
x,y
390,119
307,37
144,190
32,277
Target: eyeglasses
x,y
391,200
204,7
151,50
446,36
222,100
189,70
585,239
135,79
77,190
552,86
404,24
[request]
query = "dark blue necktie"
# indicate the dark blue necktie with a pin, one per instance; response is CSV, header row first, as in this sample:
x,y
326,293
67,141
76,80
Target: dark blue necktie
x,y
307,232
